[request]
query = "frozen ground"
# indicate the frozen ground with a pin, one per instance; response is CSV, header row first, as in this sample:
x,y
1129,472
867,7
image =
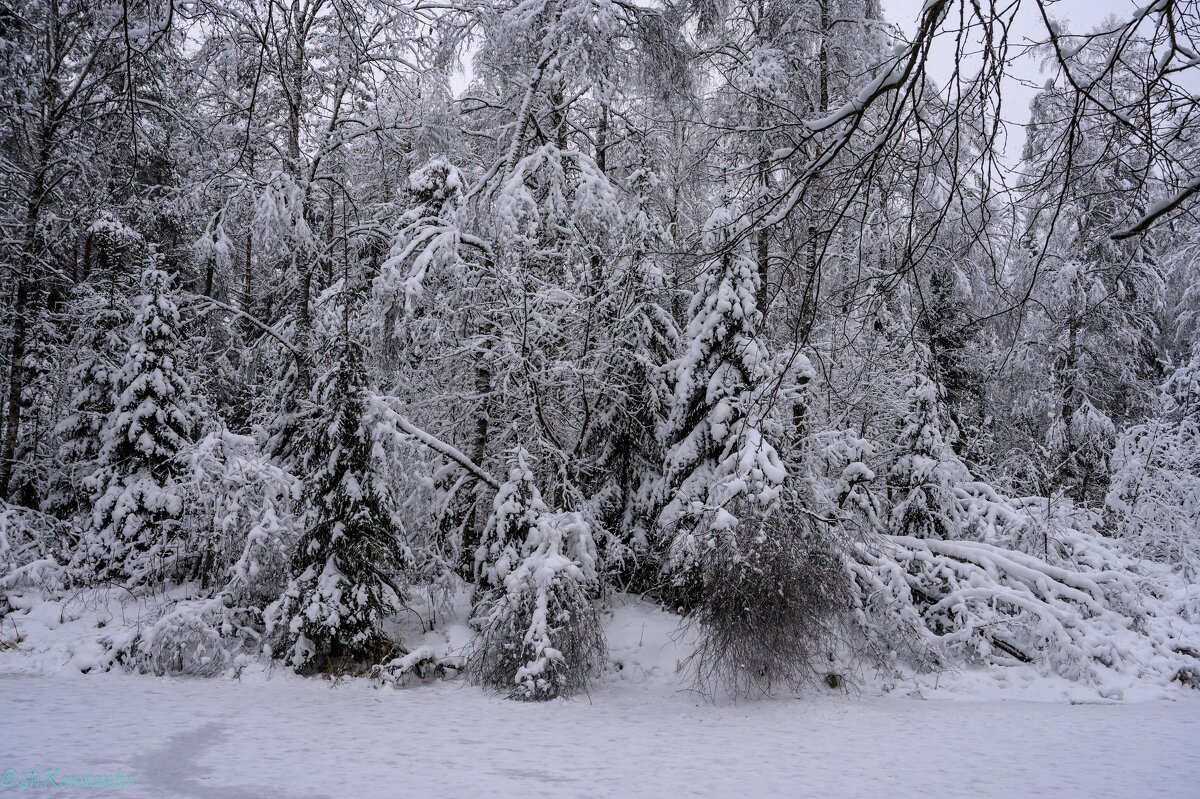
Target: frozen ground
x,y
637,735
294,738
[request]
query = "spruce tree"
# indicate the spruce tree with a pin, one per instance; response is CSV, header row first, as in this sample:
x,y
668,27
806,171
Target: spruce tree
x,y
102,349
134,490
345,566
720,457
539,636
748,565
102,310
39,400
623,444
516,509
926,470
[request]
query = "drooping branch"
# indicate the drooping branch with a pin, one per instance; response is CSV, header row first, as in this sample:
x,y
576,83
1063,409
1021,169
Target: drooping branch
x,y
1158,211
205,304
401,423
446,450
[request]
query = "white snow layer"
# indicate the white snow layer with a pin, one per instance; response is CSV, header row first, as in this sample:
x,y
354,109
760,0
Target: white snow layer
x,y
639,733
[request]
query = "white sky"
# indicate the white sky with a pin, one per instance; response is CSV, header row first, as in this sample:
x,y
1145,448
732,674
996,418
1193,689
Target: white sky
x,y
1079,16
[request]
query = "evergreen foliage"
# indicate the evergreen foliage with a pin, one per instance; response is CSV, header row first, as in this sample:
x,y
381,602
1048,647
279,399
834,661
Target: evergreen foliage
x,y
135,494
346,568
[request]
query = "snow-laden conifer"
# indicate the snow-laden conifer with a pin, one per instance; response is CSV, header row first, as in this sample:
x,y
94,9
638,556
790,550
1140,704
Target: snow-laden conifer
x,y
346,568
721,457
539,637
927,471
137,501
746,559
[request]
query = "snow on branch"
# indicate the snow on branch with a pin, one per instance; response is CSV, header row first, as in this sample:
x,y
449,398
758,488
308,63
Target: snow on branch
x,y
381,405
977,601
1158,211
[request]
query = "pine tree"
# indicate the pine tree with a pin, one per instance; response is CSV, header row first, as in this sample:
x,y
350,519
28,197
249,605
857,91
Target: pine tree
x,y
721,458
347,562
926,470
540,637
135,496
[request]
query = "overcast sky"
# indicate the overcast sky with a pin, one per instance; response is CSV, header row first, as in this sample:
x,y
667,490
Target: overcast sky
x,y
1080,15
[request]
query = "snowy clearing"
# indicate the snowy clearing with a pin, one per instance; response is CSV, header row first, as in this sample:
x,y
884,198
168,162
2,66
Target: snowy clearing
x,y
1004,732
291,737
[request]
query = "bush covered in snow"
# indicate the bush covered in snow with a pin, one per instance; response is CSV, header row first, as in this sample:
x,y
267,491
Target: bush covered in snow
x,y
771,602
539,635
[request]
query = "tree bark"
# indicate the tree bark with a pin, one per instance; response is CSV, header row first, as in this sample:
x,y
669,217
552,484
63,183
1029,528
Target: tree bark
x,y
16,383
26,291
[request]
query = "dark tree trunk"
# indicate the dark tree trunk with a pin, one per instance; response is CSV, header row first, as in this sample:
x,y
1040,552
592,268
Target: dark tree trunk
x,y
16,382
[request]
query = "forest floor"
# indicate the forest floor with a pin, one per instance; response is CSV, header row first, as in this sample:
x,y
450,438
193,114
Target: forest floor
x,y
639,732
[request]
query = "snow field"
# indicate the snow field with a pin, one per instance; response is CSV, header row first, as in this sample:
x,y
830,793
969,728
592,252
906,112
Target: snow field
x,y
640,732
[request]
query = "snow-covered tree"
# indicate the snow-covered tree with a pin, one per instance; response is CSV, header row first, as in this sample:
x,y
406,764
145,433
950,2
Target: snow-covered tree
x,y
90,406
102,308
622,445
1154,495
927,472
540,637
346,573
516,509
1093,322
721,458
746,557
133,531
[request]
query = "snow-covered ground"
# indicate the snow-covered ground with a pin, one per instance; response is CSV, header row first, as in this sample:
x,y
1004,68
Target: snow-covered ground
x,y
288,737
639,733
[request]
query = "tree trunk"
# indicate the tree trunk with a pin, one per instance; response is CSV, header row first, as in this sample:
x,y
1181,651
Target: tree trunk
x,y
248,283
16,382
824,56
26,291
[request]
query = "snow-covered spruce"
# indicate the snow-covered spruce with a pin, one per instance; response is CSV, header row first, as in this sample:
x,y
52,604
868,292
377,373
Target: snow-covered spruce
x,y
926,471
102,347
133,532
347,565
719,434
627,459
744,558
539,635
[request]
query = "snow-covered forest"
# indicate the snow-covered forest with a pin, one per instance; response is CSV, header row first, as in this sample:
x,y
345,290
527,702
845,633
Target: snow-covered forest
x,y
399,341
